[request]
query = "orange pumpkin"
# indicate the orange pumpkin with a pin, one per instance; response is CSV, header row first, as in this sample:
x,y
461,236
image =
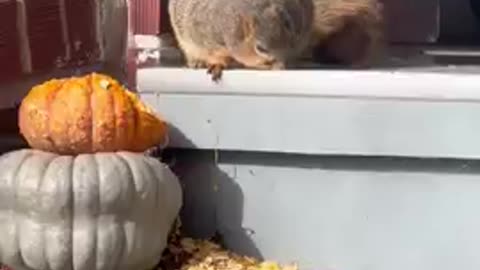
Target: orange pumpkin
x,y
88,114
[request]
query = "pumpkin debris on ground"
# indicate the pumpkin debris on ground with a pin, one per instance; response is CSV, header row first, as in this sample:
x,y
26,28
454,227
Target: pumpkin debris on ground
x,y
183,253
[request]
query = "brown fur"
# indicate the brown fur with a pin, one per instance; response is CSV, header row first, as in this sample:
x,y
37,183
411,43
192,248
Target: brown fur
x,y
218,33
347,31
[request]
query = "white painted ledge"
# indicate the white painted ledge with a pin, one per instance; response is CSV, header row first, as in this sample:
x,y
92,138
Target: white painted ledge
x,y
418,113
427,83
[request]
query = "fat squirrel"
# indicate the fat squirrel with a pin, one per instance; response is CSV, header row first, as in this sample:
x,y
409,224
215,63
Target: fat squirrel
x,y
266,34
261,34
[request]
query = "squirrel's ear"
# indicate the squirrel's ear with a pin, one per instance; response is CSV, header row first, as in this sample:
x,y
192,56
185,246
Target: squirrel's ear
x,y
247,26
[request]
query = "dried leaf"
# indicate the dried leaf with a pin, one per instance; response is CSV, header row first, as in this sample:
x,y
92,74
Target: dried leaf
x,y
185,253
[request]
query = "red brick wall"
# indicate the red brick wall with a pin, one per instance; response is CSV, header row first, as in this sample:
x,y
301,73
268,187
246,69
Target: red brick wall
x,y
150,17
48,27
45,33
146,18
81,30
9,43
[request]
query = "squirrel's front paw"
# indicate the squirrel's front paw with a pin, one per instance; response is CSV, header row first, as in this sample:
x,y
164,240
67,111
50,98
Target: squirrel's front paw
x,y
215,70
194,63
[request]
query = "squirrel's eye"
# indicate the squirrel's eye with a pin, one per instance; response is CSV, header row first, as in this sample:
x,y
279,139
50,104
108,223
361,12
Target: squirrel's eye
x,y
287,22
288,25
261,49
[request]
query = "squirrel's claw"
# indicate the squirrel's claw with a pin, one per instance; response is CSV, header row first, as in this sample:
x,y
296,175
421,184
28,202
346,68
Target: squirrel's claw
x,y
215,70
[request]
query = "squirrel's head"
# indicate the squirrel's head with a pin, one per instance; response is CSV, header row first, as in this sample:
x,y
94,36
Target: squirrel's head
x,y
273,33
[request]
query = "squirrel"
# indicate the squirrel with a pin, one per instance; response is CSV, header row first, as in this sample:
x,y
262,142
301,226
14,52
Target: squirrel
x,y
347,32
260,34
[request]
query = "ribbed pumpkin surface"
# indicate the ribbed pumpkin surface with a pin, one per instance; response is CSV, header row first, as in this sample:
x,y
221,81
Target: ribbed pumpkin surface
x,y
88,114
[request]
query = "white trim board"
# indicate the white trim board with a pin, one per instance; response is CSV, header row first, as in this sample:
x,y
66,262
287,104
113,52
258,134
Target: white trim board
x,y
402,113
439,85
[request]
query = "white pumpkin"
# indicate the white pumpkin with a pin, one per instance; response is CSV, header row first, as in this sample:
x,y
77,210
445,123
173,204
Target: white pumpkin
x,y
88,212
